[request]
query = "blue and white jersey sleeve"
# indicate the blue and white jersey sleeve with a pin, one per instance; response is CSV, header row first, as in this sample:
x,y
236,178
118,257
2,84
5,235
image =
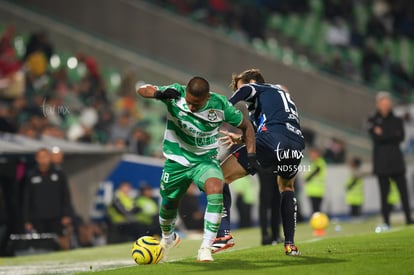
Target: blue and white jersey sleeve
x,y
246,92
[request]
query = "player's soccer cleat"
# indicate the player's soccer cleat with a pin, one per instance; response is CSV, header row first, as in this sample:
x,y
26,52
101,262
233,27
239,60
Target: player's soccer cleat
x,y
222,243
292,250
204,255
168,243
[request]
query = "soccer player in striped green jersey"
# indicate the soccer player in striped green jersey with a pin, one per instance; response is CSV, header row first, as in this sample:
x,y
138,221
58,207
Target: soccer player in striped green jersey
x,y
190,148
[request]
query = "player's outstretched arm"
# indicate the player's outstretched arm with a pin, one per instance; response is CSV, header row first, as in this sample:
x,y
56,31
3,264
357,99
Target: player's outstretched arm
x,y
147,90
151,91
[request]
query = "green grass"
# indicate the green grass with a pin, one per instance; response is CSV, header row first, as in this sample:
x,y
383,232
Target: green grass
x,y
354,249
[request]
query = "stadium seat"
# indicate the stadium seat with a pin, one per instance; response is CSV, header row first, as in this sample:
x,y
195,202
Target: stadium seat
x,y
303,62
292,28
320,45
411,67
259,45
316,7
405,53
276,21
361,15
112,80
382,81
288,56
306,36
274,48
355,55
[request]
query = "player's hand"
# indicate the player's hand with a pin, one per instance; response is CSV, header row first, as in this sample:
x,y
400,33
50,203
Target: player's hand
x,y
254,163
229,138
169,93
378,130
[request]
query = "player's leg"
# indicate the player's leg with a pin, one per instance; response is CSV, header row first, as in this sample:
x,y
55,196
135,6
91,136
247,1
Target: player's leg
x,y
401,182
268,147
269,199
232,170
167,219
225,229
234,167
288,209
275,216
384,184
174,184
265,204
209,178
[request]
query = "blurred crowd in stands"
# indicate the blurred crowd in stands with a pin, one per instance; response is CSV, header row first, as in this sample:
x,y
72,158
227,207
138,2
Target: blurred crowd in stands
x,y
37,98
369,41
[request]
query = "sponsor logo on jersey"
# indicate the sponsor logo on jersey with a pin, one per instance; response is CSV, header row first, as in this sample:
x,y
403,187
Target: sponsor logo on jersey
x,y
212,115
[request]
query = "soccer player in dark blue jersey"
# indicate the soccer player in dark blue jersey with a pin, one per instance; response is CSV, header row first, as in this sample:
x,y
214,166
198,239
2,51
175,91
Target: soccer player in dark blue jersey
x,y
279,148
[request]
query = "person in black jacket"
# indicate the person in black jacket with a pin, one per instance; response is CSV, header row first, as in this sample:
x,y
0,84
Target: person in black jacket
x,y
269,203
387,132
46,199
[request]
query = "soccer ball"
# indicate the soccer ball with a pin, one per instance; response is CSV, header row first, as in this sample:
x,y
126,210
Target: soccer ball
x,y
319,221
147,250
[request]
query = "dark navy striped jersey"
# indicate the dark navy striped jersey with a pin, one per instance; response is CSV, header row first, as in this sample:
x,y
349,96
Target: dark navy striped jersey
x,y
271,109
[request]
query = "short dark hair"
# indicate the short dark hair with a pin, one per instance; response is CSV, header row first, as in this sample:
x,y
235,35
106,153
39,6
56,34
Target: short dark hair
x,y
198,86
246,76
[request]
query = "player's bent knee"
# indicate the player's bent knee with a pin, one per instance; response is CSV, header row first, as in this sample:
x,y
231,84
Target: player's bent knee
x,y
213,186
286,184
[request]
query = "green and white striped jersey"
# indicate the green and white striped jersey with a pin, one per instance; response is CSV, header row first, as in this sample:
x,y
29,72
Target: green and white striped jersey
x,y
192,137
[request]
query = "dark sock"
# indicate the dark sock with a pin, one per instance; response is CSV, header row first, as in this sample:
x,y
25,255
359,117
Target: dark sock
x,y
224,228
288,210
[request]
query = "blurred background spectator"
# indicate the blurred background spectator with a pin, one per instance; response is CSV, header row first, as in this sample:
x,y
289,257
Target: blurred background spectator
x,y
315,179
335,151
147,216
355,188
190,210
3,223
123,224
269,208
46,201
245,198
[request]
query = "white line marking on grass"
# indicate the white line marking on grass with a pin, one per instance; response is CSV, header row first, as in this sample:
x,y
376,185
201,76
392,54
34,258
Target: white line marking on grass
x,y
64,268
393,229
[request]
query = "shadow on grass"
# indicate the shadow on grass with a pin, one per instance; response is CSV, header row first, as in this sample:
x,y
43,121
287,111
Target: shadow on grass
x,y
255,265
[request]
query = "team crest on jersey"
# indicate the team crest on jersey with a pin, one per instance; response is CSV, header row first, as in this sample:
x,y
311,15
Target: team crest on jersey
x,y
212,115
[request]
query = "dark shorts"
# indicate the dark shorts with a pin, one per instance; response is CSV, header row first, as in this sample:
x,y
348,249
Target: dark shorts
x,y
275,152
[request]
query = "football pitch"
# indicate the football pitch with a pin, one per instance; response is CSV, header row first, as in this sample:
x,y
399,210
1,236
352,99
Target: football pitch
x,y
346,248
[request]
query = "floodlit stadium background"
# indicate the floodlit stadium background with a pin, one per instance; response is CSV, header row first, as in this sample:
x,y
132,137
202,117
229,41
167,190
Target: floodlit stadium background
x,y
162,43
